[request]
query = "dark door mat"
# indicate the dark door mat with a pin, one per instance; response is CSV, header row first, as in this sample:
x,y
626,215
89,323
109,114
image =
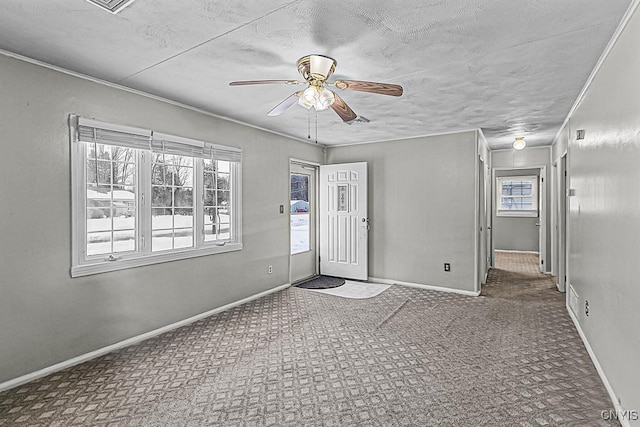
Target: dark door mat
x,y
321,282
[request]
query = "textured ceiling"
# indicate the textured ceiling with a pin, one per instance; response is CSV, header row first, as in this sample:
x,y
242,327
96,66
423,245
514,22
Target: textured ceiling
x,y
510,67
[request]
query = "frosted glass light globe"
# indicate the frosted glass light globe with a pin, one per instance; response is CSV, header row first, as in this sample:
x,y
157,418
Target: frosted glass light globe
x,y
309,97
325,99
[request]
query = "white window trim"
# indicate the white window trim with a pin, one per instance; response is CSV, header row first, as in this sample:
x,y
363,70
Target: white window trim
x,y
533,213
81,266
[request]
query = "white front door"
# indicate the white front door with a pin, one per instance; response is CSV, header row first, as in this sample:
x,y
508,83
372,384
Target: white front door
x,y
344,223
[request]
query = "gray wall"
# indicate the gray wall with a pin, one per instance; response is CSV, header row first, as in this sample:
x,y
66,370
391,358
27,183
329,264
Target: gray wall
x,y
421,207
530,156
604,215
516,233
45,316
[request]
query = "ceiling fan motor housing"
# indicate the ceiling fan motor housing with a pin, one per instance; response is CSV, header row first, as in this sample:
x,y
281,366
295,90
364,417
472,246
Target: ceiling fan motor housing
x,y
316,68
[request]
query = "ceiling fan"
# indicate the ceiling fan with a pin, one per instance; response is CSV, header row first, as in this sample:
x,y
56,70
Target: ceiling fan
x,y
316,70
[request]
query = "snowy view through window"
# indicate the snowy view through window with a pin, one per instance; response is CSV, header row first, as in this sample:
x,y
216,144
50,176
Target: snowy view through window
x,y
111,200
171,202
112,213
299,213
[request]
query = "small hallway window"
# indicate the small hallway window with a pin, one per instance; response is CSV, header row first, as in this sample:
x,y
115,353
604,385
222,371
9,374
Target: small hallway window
x,y
517,196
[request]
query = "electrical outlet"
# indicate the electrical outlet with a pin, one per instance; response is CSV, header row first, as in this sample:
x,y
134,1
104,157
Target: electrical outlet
x,y
447,266
586,308
281,209
270,269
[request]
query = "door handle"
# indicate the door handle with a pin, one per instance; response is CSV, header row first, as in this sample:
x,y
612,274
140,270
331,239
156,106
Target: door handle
x,y
367,225
537,224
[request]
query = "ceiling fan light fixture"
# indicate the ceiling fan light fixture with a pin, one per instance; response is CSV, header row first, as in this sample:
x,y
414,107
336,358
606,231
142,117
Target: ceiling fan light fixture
x,y
519,143
309,97
325,99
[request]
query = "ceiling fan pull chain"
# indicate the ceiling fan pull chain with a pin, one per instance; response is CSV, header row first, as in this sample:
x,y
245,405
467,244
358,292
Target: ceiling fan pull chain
x,y
309,125
316,125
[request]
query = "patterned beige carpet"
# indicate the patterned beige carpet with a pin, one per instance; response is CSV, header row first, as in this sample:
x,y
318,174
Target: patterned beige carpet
x,y
406,357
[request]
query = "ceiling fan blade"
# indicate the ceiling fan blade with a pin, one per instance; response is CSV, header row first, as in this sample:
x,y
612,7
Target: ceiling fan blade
x,y
371,87
264,82
343,110
284,105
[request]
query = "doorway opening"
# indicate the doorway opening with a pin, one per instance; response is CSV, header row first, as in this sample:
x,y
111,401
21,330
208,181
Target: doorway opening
x,y
561,223
483,227
302,221
328,221
519,213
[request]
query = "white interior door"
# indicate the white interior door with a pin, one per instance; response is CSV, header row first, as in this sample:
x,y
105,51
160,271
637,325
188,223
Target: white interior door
x,y
344,223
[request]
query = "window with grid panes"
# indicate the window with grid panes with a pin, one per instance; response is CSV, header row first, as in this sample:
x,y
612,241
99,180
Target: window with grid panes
x,y
517,196
111,201
172,202
142,197
217,200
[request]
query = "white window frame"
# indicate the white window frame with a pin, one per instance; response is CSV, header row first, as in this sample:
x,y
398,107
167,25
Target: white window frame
x,y
81,265
517,213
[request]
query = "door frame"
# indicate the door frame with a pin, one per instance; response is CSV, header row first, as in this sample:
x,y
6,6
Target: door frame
x,y
561,222
554,206
316,167
542,232
542,193
482,228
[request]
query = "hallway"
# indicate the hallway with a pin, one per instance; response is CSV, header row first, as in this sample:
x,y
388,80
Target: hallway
x,y
517,276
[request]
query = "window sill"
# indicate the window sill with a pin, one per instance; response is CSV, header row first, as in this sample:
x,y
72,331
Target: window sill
x,y
518,214
158,258
301,252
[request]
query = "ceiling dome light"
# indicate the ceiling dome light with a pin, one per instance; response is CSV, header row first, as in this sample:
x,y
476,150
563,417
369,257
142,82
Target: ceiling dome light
x,y
519,143
325,99
309,97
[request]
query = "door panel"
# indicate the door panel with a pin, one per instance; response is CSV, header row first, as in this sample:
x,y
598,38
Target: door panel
x,y
343,220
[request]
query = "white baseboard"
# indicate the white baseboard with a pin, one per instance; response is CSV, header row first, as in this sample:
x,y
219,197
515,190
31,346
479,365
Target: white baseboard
x,y
130,341
518,252
427,287
596,363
